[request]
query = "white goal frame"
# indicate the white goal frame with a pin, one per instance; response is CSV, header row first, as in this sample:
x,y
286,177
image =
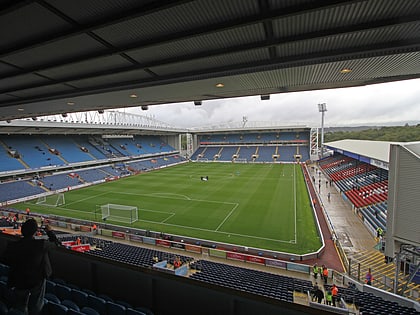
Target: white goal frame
x,y
119,213
53,200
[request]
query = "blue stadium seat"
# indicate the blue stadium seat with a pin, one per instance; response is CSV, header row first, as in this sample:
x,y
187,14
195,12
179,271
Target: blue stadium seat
x,y
131,311
143,310
50,287
56,309
105,297
79,297
89,311
52,297
114,308
70,305
63,292
97,304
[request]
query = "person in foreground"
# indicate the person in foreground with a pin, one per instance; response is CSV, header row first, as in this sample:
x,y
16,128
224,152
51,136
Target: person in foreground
x,y
29,267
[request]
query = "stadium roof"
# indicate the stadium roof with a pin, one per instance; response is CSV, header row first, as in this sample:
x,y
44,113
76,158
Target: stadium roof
x,y
58,57
378,150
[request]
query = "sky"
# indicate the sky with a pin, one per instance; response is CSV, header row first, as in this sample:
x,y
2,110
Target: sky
x,y
393,103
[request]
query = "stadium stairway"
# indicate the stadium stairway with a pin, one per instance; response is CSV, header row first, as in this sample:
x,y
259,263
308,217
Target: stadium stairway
x,y
383,273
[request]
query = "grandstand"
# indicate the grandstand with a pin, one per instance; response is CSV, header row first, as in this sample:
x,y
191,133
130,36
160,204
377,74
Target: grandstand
x,y
363,184
265,146
74,63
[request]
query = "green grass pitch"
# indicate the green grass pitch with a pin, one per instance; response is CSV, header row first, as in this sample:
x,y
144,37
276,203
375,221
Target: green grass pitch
x,y
256,205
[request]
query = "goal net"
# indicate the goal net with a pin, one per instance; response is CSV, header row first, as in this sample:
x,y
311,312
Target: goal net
x,y
53,200
119,213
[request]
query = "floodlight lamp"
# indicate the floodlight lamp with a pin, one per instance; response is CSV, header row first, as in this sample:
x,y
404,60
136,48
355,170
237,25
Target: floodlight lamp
x,y
322,107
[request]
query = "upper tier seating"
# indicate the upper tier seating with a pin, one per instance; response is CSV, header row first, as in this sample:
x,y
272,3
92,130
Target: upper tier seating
x,y
38,151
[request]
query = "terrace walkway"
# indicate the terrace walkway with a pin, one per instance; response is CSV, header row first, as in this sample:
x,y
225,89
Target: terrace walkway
x,y
351,232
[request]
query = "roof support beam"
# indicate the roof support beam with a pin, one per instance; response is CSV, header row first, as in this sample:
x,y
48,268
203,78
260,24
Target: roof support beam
x,y
266,65
271,44
240,22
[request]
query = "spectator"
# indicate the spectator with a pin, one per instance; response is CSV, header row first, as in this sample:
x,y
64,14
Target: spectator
x,y
328,297
334,292
319,295
325,274
29,267
369,277
314,291
315,270
177,262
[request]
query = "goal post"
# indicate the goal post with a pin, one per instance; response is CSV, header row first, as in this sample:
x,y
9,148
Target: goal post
x,y
53,200
119,213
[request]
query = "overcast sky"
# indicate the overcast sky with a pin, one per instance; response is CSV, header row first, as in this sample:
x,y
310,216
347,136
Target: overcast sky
x,y
380,104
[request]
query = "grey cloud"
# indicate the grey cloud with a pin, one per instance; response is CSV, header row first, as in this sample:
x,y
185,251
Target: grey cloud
x,y
381,103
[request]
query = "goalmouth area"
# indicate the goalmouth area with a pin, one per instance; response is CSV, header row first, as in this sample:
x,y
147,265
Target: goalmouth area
x,y
263,206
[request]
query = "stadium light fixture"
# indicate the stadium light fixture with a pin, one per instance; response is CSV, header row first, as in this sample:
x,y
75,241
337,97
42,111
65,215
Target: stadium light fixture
x,y
345,70
322,108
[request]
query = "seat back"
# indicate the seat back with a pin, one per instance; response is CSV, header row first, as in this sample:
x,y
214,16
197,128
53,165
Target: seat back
x,y
97,304
89,311
63,292
70,305
79,297
114,308
56,309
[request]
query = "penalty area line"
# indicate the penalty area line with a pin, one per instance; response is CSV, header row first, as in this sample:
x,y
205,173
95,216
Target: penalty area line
x,y
227,217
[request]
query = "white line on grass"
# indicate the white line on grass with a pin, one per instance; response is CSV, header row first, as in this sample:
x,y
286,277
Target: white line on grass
x,y
214,231
168,218
87,198
163,195
170,195
227,217
148,210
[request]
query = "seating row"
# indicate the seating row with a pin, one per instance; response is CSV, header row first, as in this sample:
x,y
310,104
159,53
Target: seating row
x,y
367,303
249,280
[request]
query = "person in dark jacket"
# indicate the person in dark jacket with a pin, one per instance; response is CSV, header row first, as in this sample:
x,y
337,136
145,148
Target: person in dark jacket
x,y
29,267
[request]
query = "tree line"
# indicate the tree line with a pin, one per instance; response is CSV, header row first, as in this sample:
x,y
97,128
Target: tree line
x,y
395,134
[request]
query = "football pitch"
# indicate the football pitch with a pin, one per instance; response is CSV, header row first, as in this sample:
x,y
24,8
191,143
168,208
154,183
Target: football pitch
x,y
256,205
